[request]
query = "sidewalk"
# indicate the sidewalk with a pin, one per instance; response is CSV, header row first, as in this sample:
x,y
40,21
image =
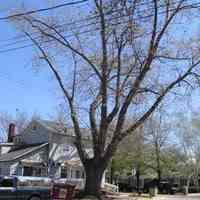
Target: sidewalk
x,y
127,196
178,197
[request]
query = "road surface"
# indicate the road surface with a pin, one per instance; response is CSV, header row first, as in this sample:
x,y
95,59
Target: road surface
x,y
178,197
124,196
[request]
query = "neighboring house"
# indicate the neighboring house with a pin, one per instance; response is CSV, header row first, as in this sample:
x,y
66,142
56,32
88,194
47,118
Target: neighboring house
x,y
44,148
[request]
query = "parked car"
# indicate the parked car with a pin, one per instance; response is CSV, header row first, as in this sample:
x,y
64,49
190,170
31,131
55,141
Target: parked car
x,y
13,188
168,188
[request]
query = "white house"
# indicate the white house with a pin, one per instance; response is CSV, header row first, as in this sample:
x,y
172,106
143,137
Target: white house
x,y
44,148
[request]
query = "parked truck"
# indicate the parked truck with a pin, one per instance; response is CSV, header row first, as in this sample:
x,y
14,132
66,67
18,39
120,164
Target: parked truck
x,y
18,188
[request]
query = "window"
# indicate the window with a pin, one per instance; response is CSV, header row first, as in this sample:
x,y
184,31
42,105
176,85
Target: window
x,y
28,171
64,172
18,139
32,171
78,174
38,172
34,128
66,148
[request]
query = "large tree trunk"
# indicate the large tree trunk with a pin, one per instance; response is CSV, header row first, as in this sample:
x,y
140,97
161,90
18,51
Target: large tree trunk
x,y
138,179
94,173
159,176
112,172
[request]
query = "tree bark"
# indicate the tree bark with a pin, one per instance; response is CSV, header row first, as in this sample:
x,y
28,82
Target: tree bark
x,y
159,176
138,179
94,173
112,172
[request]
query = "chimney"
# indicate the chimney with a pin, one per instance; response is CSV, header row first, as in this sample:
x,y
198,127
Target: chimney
x,y
11,132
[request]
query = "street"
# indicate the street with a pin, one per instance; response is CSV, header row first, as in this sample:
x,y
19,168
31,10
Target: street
x,y
126,196
177,197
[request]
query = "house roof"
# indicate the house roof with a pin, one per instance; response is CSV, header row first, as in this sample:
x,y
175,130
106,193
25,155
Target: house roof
x,y
56,127
14,156
61,128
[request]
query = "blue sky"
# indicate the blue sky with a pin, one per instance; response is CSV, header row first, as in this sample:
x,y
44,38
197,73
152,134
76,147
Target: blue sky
x,y
22,88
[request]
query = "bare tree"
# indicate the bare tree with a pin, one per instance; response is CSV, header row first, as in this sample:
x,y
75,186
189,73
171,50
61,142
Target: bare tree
x,y
120,60
188,140
157,132
61,115
4,123
20,120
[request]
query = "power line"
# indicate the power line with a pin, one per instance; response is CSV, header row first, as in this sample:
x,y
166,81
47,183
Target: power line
x,y
78,21
43,9
194,5
75,22
51,40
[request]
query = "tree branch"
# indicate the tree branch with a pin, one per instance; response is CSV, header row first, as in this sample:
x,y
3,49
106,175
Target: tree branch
x,y
118,137
103,87
115,110
78,141
65,42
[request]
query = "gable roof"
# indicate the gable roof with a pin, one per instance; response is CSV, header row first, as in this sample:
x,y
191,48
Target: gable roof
x,y
60,128
14,156
55,127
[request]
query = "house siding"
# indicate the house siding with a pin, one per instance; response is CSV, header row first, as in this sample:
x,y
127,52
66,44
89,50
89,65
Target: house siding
x,y
59,149
5,169
33,136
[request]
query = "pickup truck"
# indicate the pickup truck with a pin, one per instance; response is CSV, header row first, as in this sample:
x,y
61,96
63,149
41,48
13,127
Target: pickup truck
x,y
11,190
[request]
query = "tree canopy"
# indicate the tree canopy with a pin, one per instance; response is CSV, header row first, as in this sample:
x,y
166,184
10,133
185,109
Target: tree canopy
x,y
114,62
